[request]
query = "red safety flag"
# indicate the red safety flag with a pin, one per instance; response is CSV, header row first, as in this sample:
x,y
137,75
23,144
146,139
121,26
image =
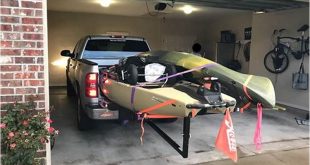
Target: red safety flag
x,y
226,140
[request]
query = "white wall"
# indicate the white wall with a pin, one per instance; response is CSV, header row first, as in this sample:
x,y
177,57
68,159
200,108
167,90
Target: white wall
x,y
65,29
263,26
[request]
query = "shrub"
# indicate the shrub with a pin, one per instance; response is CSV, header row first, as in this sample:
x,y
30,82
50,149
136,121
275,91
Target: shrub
x,y
24,130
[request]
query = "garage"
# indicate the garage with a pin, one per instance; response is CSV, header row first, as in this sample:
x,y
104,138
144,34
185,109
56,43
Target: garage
x,y
262,47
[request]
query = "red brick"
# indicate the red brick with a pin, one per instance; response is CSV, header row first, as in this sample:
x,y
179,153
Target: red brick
x,y
33,68
28,28
39,44
40,155
6,44
17,28
33,82
5,11
40,75
11,98
30,4
25,75
41,68
11,36
10,68
41,90
33,52
6,27
24,44
25,60
26,12
33,36
25,90
6,91
40,60
11,3
41,104
11,52
37,97
7,76
32,20
9,19
39,13
11,83
15,12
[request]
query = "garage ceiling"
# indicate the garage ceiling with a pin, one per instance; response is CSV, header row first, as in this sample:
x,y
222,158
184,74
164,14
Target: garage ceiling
x,y
252,5
204,9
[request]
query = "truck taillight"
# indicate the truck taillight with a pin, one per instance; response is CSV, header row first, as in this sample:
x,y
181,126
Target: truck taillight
x,y
91,85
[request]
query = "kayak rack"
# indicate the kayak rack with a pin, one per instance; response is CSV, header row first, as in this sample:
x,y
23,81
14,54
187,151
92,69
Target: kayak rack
x,y
186,135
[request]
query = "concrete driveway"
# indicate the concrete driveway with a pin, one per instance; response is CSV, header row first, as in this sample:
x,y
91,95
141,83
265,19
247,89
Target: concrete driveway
x,y
114,143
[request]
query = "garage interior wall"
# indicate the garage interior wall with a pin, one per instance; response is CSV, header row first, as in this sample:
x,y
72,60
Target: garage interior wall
x,y
263,26
234,23
65,29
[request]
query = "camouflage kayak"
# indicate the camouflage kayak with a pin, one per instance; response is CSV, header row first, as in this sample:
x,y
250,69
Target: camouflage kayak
x,y
255,89
174,100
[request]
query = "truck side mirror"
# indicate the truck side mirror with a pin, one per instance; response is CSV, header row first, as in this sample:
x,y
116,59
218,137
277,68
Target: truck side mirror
x,y
66,53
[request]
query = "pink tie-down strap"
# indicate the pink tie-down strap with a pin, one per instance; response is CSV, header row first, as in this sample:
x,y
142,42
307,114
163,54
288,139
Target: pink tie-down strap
x,y
257,134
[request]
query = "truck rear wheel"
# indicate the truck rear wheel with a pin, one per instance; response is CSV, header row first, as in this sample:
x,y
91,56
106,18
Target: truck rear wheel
x,y
83,121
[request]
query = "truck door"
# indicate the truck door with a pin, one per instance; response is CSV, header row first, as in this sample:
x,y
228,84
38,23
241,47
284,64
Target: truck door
x,y
73,62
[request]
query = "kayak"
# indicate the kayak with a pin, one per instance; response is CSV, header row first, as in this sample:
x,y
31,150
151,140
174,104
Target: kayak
x,y
254,89
176,101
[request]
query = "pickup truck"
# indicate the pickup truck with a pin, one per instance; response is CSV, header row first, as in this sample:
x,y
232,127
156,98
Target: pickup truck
x,y
92,53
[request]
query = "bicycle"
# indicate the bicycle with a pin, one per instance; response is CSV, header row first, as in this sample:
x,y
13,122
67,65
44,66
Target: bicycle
x,y
277,60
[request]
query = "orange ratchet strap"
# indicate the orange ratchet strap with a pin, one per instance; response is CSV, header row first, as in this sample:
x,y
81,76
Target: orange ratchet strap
x,y
152,108
245,90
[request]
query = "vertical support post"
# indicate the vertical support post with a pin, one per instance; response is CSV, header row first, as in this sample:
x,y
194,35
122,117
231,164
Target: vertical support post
x,y
186,136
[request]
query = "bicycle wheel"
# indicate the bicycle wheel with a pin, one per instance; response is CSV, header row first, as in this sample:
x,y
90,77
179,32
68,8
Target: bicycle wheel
x,y
276,62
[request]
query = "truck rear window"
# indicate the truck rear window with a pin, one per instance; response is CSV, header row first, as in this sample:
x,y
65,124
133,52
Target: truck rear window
x,y
117,45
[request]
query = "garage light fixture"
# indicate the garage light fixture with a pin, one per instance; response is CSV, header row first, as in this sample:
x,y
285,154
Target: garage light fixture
x,y
105,3
260,11
187,9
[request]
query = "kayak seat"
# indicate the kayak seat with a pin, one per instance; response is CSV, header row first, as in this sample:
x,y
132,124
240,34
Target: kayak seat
x,y
213,94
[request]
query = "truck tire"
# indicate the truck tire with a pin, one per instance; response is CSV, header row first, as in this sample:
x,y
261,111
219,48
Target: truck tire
x,y
132,74
70,89
83,121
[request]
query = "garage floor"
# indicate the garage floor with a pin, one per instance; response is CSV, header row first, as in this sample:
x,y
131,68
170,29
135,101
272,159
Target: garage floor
x,y
113,143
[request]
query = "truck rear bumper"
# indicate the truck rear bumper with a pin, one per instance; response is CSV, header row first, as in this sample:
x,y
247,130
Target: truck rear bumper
x,y
98,113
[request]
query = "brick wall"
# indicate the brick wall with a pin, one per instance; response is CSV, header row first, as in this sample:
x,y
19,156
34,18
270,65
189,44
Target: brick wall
x,y
23,69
